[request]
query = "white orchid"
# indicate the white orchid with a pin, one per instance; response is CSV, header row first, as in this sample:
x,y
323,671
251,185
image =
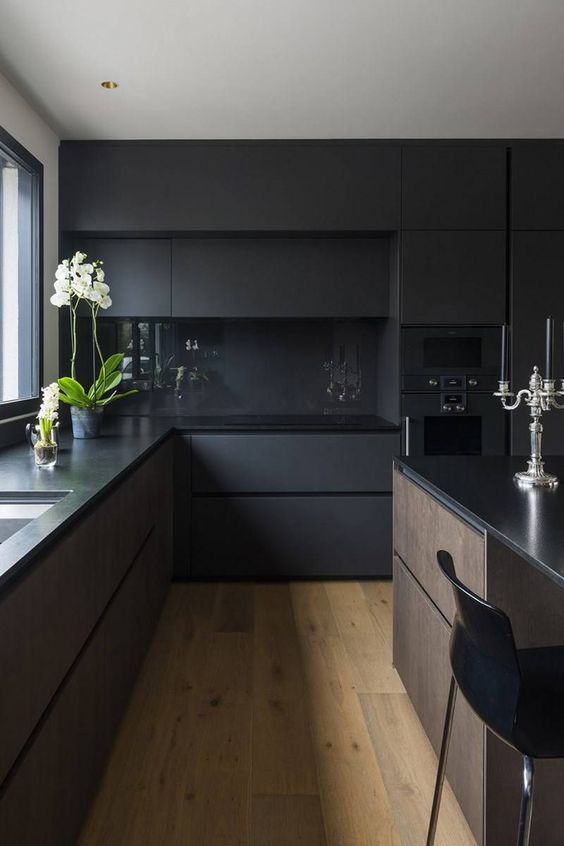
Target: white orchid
x,y
60,298
76,280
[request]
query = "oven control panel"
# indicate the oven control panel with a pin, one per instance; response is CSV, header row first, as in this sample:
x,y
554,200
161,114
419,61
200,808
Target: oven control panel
x,y
442,382
453,403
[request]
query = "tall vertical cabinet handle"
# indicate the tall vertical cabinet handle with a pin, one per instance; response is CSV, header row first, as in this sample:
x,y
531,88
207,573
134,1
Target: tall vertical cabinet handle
x,y
407,434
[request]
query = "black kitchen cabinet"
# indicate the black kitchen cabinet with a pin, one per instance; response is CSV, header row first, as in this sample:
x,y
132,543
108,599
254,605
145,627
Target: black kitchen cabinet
x,y
538,292
137,271
537,185
293,463
454,187
229,186
76,626
454,277
280,277
281,537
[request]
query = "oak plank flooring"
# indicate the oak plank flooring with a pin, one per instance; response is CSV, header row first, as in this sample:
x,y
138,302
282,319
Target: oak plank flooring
x,y
270,715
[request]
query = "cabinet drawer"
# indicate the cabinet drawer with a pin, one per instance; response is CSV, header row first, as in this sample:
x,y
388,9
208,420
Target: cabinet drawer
x,y
294,463
291,537
421,527
421,657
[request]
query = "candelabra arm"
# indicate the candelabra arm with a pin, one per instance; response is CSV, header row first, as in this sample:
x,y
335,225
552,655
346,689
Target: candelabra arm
x,y
524,395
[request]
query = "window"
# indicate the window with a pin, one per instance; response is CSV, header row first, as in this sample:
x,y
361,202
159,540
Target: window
x,y
20,277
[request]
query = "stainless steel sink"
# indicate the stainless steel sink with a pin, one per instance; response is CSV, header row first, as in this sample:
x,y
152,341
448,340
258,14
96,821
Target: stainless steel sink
x,y
18,508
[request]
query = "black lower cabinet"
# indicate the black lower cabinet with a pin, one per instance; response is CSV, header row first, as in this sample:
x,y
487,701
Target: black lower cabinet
x,y
279,537
50,778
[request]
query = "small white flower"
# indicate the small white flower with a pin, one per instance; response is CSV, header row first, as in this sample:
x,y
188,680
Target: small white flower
x,y
62,272
101,287
49,409
105,302
100,275
62,285
61,298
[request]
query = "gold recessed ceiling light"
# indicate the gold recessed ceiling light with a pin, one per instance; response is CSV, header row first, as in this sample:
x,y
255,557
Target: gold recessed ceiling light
x,y
110,84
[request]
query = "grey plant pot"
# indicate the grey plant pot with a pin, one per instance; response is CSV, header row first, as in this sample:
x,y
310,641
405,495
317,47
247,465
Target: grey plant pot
x,y
86,422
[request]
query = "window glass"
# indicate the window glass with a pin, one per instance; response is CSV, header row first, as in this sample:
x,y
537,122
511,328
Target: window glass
x,y
19,330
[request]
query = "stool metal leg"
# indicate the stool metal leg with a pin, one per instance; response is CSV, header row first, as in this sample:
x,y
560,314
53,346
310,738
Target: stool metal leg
x,y
442,762
526,801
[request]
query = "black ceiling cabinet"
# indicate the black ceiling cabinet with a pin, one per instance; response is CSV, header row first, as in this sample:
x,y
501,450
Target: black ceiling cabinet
x,y
453,277
454,187
137,271
229,186
538,185
280,277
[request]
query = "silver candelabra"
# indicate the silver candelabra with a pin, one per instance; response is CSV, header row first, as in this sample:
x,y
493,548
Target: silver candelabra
x,y
539,396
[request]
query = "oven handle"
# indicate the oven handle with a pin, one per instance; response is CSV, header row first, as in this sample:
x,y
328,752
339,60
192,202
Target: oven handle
x,y
406,435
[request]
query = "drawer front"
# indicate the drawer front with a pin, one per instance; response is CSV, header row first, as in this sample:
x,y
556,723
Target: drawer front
x,y
291,537
293,463
421,527
421,657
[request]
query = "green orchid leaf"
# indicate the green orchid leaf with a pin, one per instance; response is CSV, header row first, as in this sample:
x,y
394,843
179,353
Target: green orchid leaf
x,y
73,389
109,367
115,396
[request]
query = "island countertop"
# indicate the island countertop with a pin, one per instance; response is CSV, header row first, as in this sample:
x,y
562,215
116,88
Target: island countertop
x,y
483,492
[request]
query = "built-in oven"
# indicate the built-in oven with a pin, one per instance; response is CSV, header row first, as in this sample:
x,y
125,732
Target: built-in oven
x,y
437,358
453,423
448,376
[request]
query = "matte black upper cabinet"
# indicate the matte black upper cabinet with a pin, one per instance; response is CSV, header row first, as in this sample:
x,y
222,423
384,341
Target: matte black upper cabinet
x,y
538,265
453,277
137,271
537,172
454,187
229,186
280,277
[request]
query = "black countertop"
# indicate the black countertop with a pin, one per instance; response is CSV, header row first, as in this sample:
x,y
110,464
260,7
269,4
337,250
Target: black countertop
x,y
482,491
87,468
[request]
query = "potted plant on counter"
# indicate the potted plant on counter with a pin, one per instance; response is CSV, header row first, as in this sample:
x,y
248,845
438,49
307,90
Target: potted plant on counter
x,y
76,281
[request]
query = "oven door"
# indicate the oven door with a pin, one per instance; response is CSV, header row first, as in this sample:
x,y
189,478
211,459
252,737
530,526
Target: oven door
x,y
431,352
428,430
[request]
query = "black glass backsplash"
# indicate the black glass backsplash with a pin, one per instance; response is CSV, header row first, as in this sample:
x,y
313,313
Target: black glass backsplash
x,y
243,367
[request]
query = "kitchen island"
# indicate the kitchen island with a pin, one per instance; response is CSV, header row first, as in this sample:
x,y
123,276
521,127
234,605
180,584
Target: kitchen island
x,y
508,546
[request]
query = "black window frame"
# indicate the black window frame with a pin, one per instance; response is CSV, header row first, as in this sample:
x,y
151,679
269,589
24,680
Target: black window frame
x,y
18,153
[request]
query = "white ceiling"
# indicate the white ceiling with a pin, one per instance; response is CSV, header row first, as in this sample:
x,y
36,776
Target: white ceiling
x,y
289,68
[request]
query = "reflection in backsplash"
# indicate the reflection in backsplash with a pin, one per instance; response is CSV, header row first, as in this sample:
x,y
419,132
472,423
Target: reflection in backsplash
x,y
226,367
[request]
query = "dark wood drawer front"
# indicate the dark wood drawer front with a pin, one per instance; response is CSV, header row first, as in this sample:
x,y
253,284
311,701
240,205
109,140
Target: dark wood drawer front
x,y
422,526
295,463
291,537
421,657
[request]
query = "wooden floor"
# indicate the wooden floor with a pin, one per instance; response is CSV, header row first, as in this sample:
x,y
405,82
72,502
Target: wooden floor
x,y
270,715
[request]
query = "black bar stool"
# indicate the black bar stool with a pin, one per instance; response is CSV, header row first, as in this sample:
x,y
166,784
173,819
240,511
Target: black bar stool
x,y
517,693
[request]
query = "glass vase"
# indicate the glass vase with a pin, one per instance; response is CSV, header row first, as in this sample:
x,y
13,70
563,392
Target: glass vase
x,y
45,453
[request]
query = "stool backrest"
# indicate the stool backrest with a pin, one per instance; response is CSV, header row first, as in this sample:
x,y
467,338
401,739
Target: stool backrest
x,y
483,655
